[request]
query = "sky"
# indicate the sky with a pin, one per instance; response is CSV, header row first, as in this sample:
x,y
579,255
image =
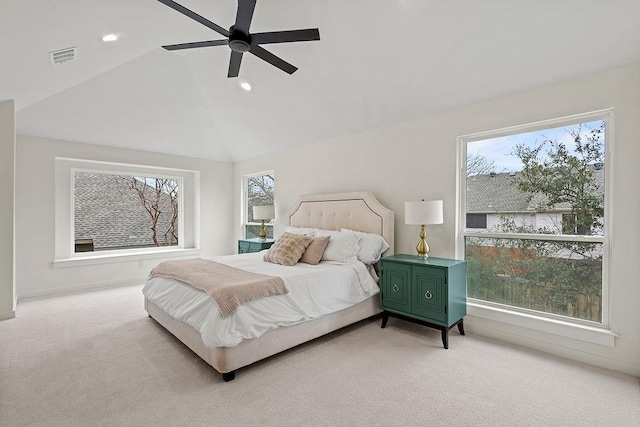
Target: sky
x,y
500,150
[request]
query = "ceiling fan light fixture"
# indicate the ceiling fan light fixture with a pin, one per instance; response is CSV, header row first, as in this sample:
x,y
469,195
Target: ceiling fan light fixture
x,y
245,85
110,37
239,45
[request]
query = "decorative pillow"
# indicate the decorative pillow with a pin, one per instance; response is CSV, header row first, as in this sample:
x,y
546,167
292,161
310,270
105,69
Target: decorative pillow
x,y
288,249
299,230
342,247
371,246
313,254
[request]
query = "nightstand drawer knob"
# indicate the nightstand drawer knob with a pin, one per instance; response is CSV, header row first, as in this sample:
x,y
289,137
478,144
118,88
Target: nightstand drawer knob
x,y
395,288
428,295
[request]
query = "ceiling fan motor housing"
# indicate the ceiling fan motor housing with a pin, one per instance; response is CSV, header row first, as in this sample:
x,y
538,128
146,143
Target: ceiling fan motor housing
x,y
239,42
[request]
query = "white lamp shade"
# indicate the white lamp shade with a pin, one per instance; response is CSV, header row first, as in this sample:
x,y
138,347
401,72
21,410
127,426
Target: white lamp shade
x,y
423,213
264,212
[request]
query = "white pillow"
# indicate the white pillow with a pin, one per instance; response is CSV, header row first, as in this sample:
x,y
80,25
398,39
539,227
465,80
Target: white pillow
x,y
319,232
371,246
299,230
342,247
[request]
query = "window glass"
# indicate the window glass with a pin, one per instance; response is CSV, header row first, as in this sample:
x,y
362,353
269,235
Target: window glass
x,y
122,211
534,184
476,220
259,191
562,278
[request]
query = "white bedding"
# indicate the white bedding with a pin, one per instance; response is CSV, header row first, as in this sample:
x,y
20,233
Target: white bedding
x,y
314,291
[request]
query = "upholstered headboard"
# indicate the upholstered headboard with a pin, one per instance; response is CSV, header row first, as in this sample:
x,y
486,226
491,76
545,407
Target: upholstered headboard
x,y
359,211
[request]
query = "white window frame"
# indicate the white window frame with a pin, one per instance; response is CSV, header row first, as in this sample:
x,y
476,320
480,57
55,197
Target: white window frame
x,y
594,332
188,214
245,199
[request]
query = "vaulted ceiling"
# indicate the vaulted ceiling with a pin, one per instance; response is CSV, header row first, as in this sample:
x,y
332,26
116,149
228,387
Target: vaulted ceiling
x,y
378,62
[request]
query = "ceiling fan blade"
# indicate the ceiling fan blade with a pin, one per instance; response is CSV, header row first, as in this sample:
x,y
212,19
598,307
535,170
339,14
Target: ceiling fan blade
x,y
234,64
272,59
196,44
244,15
204,21
286,36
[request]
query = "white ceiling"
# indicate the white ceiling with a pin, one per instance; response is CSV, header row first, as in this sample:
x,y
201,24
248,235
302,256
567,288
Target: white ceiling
x,y
378,62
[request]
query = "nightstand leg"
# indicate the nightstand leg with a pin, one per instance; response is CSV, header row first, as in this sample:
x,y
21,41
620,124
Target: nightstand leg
x,y
385,319
445,337
461,327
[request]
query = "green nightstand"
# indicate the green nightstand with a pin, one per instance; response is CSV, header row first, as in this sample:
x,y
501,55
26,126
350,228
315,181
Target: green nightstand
x,y
431,292
254,245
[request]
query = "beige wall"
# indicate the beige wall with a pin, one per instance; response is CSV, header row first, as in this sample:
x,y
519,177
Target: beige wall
x,y
35,219
7,179
417,159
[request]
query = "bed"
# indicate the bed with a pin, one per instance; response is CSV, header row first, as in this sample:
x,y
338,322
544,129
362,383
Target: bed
x,y
359,211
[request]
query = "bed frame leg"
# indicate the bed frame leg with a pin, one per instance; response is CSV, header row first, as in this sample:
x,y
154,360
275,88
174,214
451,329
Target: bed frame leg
x,y
228,376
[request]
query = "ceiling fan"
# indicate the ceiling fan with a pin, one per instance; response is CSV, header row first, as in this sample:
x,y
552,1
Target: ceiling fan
x,y
240,40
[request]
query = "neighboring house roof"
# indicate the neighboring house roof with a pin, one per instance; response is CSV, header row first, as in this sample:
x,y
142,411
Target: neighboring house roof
x,y
496,193
499,193
111,214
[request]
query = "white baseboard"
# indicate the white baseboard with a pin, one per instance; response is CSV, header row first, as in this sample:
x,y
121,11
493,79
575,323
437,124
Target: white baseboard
x,y
74,289
576,350
8,315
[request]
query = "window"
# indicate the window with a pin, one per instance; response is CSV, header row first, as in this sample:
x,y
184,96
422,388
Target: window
x,y
475,220
570,225
258,190
542,247
107,211
114,211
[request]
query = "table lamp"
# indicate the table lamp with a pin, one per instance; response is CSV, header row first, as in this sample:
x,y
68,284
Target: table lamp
x,y
263,213
423,213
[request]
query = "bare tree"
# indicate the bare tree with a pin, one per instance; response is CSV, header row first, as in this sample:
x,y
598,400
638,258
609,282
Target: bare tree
x,y
479,165
171,188
153,194
260,192
150,198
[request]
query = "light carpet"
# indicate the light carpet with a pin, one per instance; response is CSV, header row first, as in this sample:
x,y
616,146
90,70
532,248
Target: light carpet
x,y
96,359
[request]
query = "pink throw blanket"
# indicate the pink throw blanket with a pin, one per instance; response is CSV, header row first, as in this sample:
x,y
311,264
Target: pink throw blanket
x,y
229,286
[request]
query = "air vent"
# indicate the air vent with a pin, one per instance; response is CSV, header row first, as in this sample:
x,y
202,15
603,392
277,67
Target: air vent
x,y
63,55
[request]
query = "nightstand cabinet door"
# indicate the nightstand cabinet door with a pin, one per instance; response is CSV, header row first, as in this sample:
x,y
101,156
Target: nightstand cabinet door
x,y
430,299
396,287
244,247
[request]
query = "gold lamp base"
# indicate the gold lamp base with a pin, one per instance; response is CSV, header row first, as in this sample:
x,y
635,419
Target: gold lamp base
x,y
263,233
423,247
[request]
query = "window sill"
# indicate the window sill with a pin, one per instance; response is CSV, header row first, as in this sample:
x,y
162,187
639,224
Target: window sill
x,y
590,334
113,257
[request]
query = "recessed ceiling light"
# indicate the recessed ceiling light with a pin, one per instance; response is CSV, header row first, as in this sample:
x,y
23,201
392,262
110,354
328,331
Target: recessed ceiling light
x,y
110,38
245,85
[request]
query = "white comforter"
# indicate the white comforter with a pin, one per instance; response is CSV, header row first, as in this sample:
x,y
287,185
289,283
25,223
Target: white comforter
x,y
314,291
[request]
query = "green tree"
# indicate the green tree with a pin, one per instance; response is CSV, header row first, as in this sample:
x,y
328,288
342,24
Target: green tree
x,y
567,176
